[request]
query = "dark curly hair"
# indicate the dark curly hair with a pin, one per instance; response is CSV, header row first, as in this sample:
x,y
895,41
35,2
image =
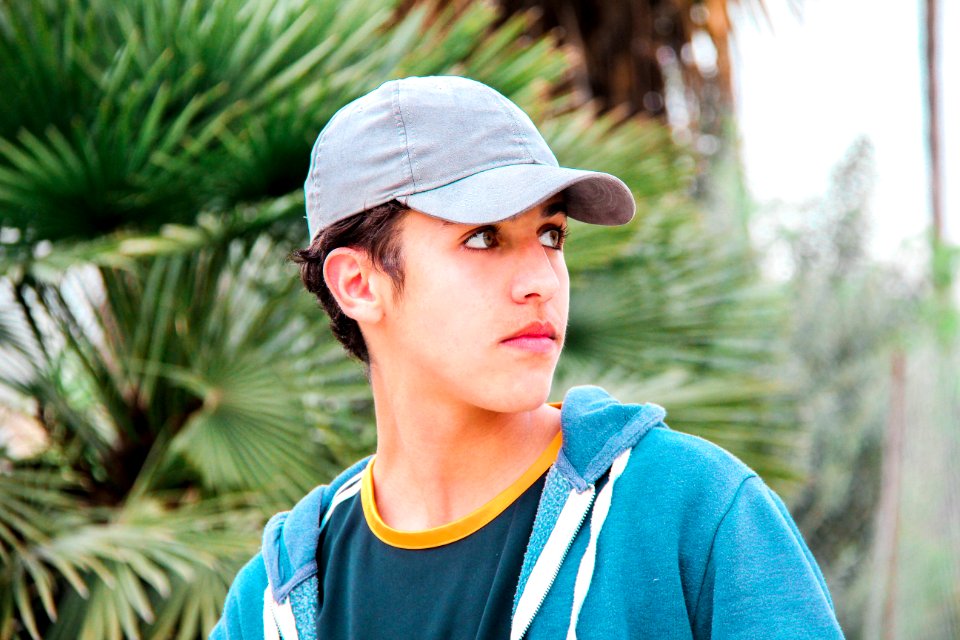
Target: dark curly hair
x,y
374,231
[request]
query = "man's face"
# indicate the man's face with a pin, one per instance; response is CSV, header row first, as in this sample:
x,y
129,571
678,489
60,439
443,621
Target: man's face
x,y
483,311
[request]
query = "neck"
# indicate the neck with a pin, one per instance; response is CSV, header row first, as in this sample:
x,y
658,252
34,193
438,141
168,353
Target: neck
x,y
438,459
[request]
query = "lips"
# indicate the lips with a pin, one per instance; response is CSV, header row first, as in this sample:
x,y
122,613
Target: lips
x,y
539,337
535,330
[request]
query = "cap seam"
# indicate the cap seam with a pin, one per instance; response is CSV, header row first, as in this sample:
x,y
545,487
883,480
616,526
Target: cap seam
x,y
402,127
424,188
312,197
517,129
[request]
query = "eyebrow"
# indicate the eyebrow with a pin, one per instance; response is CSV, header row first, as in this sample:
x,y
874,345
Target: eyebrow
x,y
554,208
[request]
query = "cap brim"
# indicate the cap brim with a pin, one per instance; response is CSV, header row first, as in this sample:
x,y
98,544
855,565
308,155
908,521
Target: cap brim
x,y
503,192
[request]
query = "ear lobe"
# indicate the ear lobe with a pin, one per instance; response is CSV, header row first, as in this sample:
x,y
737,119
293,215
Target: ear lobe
x,y
348,273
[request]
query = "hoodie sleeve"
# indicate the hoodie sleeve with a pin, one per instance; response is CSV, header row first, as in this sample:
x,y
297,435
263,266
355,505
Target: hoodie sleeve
x,y
761,581
242,617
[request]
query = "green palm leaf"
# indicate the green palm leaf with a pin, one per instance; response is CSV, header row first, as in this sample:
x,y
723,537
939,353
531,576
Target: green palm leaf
x,y
151,156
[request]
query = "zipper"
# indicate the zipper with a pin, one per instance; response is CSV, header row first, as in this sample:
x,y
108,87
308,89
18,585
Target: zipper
x,y
563,557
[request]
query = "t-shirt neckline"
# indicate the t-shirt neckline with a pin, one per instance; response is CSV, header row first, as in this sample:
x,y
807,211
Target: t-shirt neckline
x,y
461,527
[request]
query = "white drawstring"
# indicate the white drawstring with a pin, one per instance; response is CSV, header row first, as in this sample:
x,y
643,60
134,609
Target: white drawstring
x,y
270,630
585,572
349,489
284,624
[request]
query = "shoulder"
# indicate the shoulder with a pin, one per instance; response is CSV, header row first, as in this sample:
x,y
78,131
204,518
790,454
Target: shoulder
x,y
290,537
758,555
731,535
687,459
681,488
287,557
243,610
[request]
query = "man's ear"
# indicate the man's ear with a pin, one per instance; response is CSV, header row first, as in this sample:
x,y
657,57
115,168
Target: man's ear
x,y
355,283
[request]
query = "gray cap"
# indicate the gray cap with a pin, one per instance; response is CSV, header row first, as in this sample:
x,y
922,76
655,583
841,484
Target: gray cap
x,y
452,148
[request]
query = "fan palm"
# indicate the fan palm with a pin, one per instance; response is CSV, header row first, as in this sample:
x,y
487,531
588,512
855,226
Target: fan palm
x,y
152,329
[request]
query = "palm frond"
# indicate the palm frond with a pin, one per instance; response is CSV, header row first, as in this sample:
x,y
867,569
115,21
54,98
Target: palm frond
x,y
151,156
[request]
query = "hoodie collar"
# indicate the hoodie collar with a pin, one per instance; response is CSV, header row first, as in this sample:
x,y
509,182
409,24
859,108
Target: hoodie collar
x,y
597,428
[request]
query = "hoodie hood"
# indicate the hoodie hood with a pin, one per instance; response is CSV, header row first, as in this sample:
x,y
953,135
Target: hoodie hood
x,y
290,538
596,429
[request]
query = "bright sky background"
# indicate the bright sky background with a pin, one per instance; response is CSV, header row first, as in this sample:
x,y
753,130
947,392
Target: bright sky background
x,y
809,86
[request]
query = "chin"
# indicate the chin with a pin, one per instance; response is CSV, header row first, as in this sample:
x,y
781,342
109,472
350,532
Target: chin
x,y
517,395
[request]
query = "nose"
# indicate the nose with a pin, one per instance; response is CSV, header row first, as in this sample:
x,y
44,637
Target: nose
x,y
537,274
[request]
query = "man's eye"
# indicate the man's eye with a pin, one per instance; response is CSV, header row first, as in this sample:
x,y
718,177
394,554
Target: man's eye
x,y
552,238
482,239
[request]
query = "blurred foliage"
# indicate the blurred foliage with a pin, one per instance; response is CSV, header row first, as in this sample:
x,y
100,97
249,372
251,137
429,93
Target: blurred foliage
x,y
848,315
153,332
924,581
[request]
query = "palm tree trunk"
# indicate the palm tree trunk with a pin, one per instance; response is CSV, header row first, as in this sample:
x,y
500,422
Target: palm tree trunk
x,y
881,619
933,120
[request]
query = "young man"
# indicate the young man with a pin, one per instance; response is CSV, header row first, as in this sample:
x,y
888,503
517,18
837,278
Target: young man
x,y
437,218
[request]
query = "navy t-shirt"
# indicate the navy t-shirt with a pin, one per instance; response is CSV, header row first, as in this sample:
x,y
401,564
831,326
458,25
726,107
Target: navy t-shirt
x,y
454,582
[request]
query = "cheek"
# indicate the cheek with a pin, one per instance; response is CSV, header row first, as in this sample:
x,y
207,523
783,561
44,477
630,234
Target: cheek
x,y
448,302
563,276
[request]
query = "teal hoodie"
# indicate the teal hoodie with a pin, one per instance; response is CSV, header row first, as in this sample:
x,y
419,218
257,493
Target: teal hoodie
x,y
680,541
